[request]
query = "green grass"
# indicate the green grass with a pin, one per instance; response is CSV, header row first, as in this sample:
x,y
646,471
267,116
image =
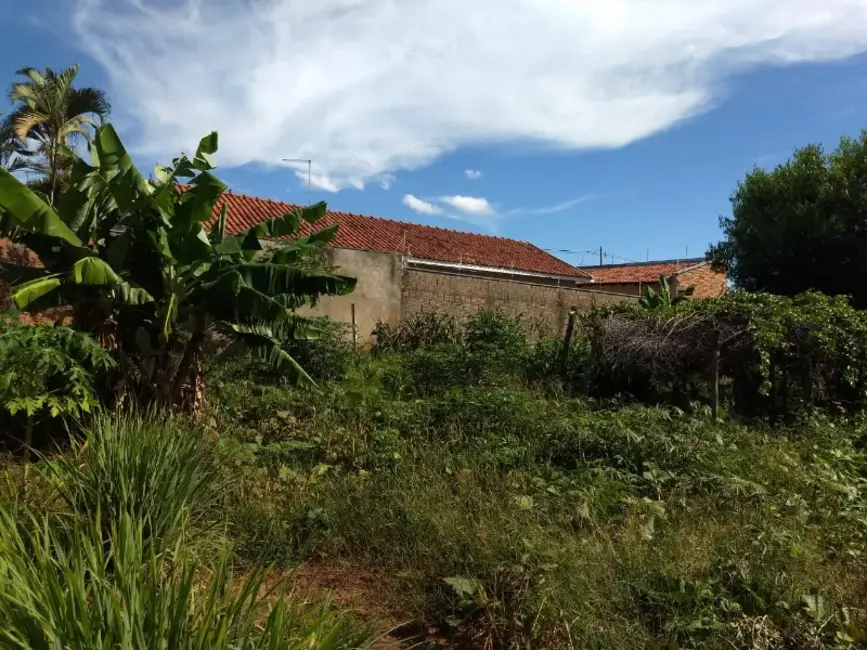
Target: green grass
x,y
521,519
485,504
132,561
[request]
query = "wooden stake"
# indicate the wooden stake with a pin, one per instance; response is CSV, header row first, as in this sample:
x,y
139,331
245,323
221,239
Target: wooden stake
x,y
714,379
567,337
354,328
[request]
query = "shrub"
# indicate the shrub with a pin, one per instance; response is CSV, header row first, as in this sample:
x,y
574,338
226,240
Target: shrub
x,y
329,355
48,371
778,355
417,332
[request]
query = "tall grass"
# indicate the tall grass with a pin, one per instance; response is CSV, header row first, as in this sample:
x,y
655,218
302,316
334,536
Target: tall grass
x,y
155,467
81,588
121,571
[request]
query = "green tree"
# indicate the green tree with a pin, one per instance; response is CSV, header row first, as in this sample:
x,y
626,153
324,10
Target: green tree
x,y
801,226
51,117
137,264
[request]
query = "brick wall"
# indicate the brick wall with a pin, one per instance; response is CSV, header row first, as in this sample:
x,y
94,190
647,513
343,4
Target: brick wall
x,y
707,283
461,296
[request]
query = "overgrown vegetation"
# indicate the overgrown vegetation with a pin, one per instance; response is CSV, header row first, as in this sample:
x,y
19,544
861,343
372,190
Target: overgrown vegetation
x,y
506,512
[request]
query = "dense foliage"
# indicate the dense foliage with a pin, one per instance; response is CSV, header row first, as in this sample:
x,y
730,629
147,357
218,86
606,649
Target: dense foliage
x,y
778,355
475,500
142,272
49,371
802,225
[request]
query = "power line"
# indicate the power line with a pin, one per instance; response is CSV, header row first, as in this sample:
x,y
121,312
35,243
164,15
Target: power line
x,y
610,256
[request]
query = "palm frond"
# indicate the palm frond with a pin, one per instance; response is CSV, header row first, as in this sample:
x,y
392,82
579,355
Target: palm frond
x,y
85,101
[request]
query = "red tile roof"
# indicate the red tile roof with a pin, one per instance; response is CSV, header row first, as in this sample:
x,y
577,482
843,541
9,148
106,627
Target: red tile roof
x,y
639,272
387,236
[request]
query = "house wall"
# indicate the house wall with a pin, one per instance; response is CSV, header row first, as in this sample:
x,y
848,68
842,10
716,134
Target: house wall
x,y
388,292
627,289
707,283
377,294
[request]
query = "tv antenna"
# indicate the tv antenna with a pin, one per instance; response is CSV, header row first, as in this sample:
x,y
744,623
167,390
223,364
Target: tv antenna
x,y
309,171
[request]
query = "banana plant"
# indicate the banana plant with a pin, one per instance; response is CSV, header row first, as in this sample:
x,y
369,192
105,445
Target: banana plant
x,y
145,267
661,298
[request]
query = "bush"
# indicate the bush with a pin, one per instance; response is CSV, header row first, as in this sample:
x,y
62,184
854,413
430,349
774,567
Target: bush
x,y
48,372
416,332
327,357
778,355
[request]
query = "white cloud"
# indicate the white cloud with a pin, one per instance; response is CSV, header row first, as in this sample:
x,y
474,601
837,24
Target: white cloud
x,y
386,181
473,174
469,204
366,87
550,209
421,206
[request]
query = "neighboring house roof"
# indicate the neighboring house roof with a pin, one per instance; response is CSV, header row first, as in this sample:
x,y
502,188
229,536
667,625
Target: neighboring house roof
x,y
641,272
415,240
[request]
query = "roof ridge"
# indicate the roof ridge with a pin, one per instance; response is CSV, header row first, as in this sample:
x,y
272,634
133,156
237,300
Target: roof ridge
x,y
420,240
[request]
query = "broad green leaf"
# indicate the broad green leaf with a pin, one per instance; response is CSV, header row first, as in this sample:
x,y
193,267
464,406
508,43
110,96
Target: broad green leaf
x,y
274,279
94,271
24,295
207,147
30,212
126,183
197,203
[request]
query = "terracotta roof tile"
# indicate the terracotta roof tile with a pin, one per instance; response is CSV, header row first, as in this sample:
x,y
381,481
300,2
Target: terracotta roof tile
x,y
640,272
387,236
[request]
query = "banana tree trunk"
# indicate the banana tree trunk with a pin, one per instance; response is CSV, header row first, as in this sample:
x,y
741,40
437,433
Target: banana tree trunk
x,y
188,391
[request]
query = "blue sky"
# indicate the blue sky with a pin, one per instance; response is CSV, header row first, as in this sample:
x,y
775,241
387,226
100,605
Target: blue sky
x,y
597,132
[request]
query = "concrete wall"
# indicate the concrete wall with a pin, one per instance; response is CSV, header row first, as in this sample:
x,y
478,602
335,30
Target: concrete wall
x,y
377,295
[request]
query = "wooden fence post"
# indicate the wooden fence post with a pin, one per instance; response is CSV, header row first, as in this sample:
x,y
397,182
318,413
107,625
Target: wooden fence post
x,y
354,328
567,337
714,378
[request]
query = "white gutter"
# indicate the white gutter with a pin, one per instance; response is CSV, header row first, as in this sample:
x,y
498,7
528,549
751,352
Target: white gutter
x,y
460,266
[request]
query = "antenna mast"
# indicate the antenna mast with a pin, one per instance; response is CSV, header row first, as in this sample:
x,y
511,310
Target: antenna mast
x,y
309,171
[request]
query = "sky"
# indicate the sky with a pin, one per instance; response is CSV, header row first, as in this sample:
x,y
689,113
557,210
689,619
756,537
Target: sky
x,y
573,124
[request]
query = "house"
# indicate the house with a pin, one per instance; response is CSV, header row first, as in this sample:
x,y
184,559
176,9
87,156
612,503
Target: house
x,y
407,268
630,279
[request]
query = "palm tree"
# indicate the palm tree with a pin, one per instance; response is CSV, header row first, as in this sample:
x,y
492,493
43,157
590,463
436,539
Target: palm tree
x,y
50,117
7,144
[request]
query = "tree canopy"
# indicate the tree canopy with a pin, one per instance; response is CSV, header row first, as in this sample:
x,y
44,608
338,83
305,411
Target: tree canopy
x,y
801,226
50,117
